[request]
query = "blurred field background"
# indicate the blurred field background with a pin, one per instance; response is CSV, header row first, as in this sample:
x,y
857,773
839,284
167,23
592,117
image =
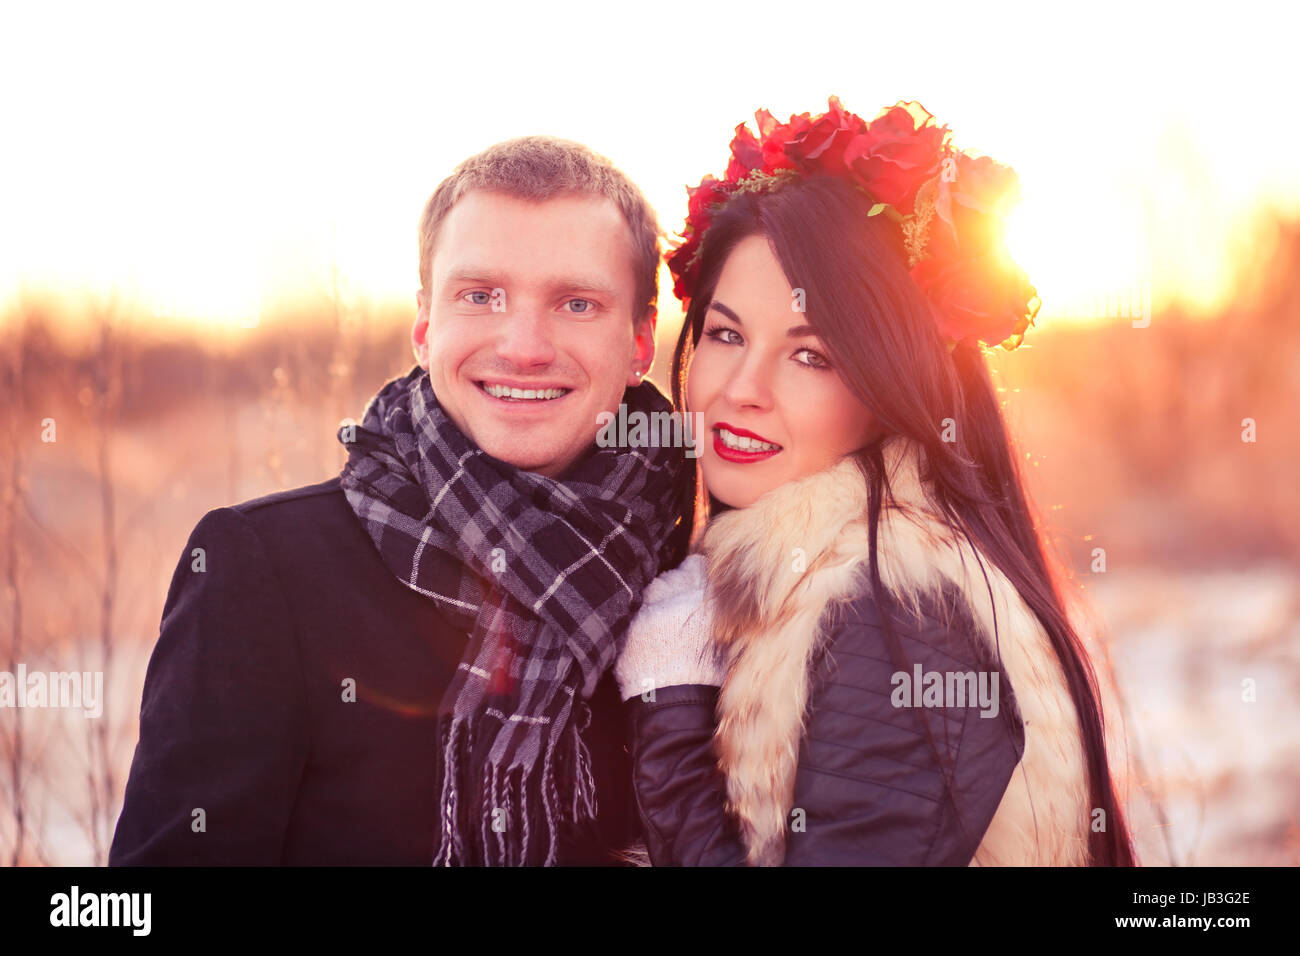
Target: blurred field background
x,y
1132,439
124,318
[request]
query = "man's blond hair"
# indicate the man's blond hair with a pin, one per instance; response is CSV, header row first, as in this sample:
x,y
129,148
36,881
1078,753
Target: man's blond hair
x,y
538,168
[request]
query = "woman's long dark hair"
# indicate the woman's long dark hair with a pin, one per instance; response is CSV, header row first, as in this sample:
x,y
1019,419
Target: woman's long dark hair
x,y
882,339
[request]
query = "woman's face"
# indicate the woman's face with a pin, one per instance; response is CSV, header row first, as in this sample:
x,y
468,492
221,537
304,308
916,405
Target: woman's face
x,y
774,408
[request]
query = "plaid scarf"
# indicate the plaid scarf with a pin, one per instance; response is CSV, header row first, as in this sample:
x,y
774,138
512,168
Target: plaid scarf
x,y
545,574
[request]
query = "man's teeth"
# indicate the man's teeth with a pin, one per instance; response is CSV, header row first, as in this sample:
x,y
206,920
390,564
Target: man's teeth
x,y
745,444
504,391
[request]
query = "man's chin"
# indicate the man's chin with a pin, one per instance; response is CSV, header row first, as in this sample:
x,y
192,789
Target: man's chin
x,y
542,459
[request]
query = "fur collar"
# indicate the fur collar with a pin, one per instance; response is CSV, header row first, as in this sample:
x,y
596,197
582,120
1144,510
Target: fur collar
x,y
776,566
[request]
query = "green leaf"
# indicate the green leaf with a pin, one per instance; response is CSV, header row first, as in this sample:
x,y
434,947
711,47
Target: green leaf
x,y
877,209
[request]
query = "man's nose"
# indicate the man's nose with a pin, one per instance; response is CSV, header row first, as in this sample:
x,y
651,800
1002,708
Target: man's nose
x,y
525,337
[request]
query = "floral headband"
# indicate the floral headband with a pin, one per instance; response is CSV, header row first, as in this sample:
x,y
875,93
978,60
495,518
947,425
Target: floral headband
x,y
949,204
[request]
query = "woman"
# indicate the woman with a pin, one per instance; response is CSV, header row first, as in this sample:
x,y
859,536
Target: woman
x,y
866,658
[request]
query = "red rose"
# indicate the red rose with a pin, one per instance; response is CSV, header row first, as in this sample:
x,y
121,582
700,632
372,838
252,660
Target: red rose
x,y
774,136
704,196
973,206
983,184
683,278
821,144
700,203
978,298
746,154
896,155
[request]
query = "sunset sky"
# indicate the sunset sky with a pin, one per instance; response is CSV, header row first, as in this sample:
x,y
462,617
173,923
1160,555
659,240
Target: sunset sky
x,y
209,161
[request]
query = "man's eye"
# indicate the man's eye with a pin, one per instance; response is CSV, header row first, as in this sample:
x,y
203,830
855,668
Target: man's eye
x,y
478,298
581,306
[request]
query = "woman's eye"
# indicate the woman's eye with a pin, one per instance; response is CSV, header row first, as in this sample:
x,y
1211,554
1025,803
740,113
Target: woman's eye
x,y
813,360
478,298
720,333
581,306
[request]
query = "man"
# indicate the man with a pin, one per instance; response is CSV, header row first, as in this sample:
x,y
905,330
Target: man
x,y
410,663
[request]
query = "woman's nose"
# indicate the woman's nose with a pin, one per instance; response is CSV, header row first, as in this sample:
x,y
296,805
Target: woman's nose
x,y
750,384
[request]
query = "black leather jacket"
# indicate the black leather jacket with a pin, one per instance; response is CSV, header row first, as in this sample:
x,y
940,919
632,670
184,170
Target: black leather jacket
x,y
870,786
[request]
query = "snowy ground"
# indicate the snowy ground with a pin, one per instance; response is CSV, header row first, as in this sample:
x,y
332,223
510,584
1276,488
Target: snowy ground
x,y
1188,651
1224,772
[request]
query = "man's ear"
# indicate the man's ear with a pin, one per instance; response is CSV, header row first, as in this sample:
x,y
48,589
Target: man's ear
x,y
644,356
420,330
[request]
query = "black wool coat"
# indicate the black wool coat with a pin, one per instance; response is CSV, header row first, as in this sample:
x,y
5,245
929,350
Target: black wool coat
x,y
250,751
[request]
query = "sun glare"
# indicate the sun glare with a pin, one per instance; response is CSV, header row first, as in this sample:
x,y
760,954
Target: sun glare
x,y
1085,256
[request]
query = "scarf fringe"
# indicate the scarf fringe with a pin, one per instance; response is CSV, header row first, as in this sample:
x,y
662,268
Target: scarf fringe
x,y
513,791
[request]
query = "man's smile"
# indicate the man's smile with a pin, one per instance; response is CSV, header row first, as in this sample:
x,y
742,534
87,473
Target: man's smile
x,y
516,393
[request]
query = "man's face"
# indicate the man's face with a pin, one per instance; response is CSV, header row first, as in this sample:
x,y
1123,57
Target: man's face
x,y
527,327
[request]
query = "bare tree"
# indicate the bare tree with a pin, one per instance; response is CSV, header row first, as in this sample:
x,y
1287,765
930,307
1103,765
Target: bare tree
x,y
108,394
16,406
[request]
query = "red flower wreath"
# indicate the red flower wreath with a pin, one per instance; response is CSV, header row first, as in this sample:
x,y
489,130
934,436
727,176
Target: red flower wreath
x,y
949,204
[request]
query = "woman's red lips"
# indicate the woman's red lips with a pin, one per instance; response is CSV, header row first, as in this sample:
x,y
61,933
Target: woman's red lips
x,y
741,456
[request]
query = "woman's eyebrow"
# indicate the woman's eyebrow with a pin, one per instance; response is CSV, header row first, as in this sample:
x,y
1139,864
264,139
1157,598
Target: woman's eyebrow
x,y
794,332
715,304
